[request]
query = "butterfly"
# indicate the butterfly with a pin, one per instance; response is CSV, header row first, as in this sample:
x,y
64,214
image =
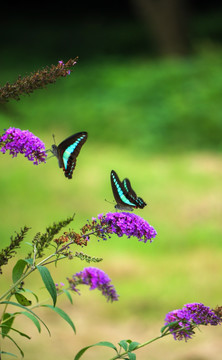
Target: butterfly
x,y
124,195
67,152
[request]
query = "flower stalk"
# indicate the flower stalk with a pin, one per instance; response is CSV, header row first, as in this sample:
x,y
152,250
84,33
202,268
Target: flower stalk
x,y
37,80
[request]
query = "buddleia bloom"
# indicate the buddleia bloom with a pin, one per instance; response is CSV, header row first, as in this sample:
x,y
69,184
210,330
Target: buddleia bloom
x,y
23,142
182,322
123,223
37,80
96,279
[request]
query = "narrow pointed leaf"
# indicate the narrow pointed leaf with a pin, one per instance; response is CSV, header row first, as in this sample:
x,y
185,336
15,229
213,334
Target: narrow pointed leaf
x,y
131,355
8,353
168,326
33,318
29,261
123,344
18,270
20,333
62,314
133,345
26,309
49,283
20,350
101,343
6,324
22,300
68,295
31,292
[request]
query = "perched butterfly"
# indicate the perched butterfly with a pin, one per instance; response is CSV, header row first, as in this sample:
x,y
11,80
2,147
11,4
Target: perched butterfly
x,y
67,152
124,195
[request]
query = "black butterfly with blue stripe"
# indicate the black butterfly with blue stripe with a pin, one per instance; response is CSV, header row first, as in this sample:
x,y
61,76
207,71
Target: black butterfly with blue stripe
x,y
68,150
125,196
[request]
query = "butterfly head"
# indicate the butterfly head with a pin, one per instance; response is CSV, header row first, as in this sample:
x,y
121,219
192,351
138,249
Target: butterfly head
x,y
54,150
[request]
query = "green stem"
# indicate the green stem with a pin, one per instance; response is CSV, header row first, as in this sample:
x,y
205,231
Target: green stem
x,y
43,262
33,268
141,345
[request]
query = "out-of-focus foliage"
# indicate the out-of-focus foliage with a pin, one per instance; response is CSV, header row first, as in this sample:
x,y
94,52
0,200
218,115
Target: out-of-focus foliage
x,y
152,105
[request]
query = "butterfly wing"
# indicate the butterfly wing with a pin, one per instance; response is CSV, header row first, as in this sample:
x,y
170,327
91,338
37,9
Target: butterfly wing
x,y
119,193
128,188
131,195
68,150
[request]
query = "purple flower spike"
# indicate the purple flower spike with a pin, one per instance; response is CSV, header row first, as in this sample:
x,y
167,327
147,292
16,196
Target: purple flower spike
x,y
96,279
23,142
187,318
129,224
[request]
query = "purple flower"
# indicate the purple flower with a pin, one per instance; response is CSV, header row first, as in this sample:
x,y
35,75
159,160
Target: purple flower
x,y
129,224
96,279
186,319
62,65
23,142
59,286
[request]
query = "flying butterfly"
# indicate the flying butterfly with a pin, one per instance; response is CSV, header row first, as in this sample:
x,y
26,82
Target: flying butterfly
x,y
125,196
68,150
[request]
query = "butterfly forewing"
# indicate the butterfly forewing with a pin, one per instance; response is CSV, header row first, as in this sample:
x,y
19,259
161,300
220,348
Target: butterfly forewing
x,y
125,196
128,188
68,150
119,193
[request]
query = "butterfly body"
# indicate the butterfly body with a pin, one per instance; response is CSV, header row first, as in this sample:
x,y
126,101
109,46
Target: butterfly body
x,y
125,196
67,152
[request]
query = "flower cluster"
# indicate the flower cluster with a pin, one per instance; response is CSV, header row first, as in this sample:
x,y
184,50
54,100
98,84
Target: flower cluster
x,y
9,251
71,237
96,279
38,80
23,142
123,223
183,321
59,287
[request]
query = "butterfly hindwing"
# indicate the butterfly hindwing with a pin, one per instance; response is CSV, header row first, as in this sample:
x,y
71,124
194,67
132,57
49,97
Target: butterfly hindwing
x,y
124,195
131,195
128,188
68,150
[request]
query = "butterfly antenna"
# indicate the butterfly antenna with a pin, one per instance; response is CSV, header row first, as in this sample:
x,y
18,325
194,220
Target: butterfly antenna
x,y
53,135
109,201
51,155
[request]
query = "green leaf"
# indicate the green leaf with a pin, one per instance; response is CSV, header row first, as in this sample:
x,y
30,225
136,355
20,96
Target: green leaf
x,y
29,261
20,350
6,324
8,353
133,345
123,344
168,326
62,314
33,318
49,283
22,299
101,343
18,270
68,295
31,292
19,332
26,309
132,356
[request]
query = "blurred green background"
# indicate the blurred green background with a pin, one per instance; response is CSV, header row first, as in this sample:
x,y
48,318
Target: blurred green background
x,y
152,107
